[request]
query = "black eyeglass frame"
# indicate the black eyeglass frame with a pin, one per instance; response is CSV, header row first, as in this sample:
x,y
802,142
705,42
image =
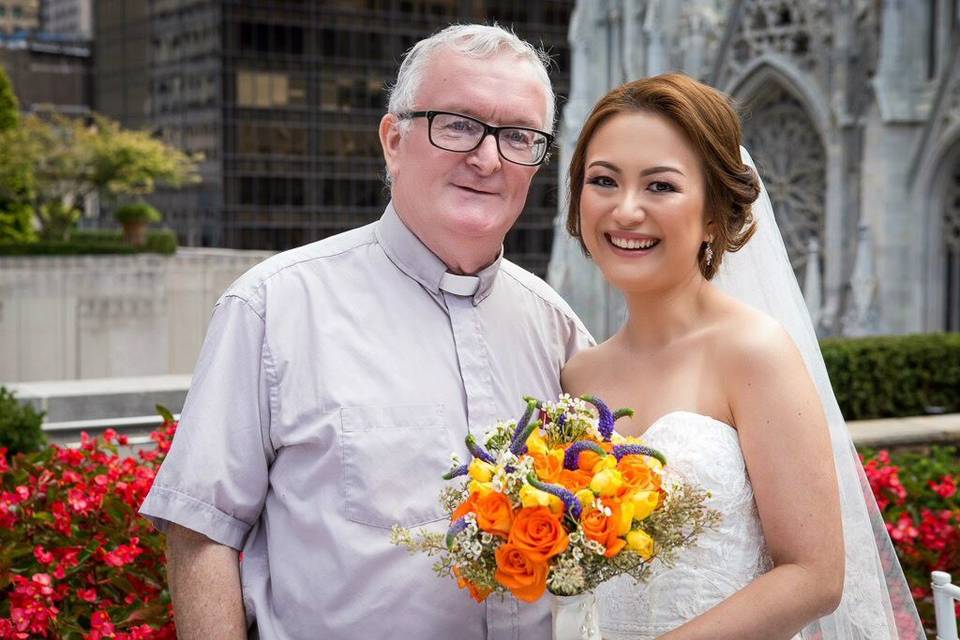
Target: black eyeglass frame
x,y
488,130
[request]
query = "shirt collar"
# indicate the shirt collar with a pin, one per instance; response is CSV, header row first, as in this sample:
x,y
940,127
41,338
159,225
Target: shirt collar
x,y
413,257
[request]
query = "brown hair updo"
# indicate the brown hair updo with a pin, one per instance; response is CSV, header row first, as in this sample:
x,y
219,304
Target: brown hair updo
x,y
712,126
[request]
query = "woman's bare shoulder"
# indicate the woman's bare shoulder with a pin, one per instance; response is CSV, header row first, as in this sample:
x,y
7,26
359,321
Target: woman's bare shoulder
x,y
582,368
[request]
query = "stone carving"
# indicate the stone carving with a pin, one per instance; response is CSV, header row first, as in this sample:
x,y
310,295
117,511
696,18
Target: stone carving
x,y
801,31
791,159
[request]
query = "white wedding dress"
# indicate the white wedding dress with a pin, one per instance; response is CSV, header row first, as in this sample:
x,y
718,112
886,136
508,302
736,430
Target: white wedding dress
x,y
706,453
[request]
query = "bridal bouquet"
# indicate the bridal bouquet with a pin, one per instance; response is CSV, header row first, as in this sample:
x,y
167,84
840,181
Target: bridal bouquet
x,y
557,501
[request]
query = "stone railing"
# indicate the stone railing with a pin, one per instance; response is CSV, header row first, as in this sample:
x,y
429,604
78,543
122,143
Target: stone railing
x,y
76,317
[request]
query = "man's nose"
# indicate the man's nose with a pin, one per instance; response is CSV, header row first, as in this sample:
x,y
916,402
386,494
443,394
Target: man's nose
x,y
485,158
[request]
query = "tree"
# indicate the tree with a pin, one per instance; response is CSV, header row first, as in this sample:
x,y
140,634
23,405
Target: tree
x,y
70,160
9,105
16,216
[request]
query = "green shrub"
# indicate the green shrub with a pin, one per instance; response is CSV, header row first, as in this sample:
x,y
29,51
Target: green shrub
x,y
894,376
87,242
20,425
137,212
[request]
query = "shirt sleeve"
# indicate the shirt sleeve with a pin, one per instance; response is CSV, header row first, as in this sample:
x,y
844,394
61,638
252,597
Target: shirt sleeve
x,y
578,337
215,476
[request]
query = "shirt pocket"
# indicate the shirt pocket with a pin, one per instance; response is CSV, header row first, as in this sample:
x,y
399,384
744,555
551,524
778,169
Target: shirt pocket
x,y
393,460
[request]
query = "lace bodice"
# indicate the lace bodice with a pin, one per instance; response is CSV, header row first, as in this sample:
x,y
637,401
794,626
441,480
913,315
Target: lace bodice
x,y
704,452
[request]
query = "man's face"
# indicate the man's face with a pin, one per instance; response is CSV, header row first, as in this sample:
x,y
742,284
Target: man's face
x,y
469,200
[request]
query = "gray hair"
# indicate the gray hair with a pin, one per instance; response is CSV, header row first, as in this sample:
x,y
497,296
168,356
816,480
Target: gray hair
x,y
473,40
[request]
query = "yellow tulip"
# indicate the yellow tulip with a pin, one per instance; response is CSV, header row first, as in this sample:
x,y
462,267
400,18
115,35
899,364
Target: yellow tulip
x,y
644,502
585,496
480,488
653,463
641,543
535,443
606,462
606,482
481,471
530,496
626,517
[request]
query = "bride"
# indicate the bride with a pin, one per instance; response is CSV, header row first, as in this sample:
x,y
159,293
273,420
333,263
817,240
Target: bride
x,y
720,362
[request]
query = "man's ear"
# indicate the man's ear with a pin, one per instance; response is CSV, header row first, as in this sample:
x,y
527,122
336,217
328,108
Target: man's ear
x,y
390,141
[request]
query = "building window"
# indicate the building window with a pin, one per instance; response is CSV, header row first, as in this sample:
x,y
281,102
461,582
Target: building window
x,y
269,89
271,139
267,191
270,38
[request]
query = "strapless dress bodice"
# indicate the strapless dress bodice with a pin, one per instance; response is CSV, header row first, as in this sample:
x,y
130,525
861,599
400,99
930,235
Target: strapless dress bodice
x,y
704,452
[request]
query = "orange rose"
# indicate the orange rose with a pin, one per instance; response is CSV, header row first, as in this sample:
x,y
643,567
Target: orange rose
x,y
575,480
468,506
548,465
477,593
494,513
637,474
538,533
525,578
604,529
587,459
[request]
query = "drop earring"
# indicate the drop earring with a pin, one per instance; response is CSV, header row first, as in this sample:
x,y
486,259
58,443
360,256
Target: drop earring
x,y
708,254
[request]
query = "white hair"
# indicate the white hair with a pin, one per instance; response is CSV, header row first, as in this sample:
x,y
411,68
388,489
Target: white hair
x,y
473,40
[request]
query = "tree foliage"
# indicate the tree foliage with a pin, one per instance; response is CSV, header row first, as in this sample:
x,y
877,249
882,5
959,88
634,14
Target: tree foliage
x,y
9,105
67,159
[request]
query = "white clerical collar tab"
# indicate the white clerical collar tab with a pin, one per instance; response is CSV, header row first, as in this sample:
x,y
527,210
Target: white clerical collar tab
x,y
459,285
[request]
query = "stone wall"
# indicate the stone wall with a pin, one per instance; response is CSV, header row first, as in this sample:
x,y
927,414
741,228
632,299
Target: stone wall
x,y
77,317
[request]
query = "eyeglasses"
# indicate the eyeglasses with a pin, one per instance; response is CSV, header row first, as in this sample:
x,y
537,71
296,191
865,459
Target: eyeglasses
x,y
463,134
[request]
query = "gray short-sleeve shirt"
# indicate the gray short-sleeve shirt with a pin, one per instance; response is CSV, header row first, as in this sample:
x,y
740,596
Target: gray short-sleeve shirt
x,y
334,382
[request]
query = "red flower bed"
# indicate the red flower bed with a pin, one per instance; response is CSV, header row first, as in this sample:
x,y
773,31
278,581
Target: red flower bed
x,y
917,495
76,560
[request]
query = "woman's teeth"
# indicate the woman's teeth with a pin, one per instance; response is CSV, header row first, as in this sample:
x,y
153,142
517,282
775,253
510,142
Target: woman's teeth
x,y
624,243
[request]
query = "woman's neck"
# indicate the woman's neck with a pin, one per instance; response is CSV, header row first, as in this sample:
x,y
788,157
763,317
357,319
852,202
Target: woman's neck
x,y
657,318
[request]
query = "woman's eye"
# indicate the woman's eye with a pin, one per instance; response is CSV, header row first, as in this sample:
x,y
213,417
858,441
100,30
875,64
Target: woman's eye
x,y
661,187
601,181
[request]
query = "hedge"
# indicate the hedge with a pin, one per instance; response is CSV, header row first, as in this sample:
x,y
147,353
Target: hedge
x,y
89,242
895,376
21,426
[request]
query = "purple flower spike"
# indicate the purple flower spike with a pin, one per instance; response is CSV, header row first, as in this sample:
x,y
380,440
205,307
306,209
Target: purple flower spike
x,y
621,450
454,473
518,445
477,451
570,502
456,527
606,416
571,458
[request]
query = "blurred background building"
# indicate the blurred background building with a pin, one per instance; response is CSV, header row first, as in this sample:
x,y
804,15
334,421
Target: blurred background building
x,y
19,16
70,17
283,99
851,109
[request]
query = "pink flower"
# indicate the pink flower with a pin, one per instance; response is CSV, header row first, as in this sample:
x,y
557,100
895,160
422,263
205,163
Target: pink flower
x,y
87,595
42,556
946,488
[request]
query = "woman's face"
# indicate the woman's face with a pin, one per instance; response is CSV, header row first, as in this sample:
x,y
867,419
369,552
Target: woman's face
x,y
642,203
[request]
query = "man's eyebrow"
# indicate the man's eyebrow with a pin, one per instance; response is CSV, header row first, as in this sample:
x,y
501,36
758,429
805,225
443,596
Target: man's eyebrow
x,y
508,122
